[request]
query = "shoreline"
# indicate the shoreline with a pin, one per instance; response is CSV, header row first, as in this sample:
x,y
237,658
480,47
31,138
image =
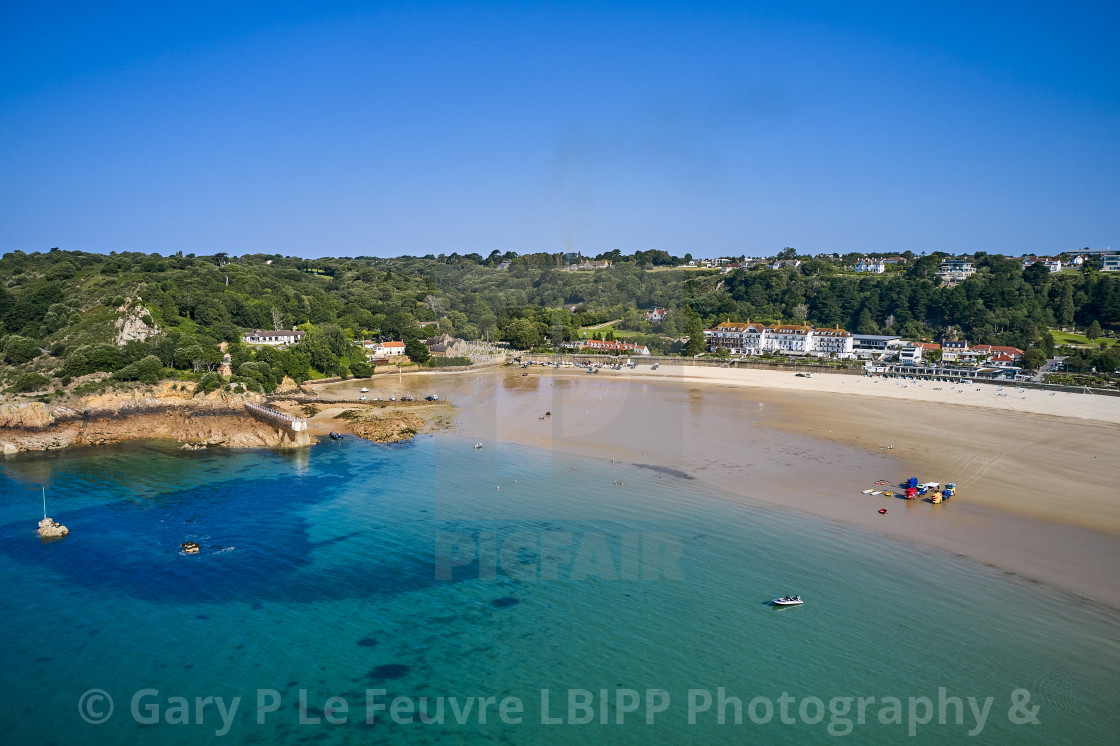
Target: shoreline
x,y
820,450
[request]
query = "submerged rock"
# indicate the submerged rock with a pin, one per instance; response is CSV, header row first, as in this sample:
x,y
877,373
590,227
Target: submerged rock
x,y
50,528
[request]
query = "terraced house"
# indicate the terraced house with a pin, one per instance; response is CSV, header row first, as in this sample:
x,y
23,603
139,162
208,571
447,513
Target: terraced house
x,y
749,338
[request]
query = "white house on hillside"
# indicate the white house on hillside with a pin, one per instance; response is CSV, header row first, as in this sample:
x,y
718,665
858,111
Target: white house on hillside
x,y
272,337
1052,264
870,265
383,349
953,271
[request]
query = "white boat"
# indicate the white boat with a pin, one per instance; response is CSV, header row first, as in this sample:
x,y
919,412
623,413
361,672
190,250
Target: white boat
x,y
365,390
478,446
788,601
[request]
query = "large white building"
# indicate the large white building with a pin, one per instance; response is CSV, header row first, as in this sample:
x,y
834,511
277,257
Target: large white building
x,y
272,337
870,265
750,338
953,271
1110,263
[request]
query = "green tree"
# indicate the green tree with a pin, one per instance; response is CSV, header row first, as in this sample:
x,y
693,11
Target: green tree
x,y
1094,330
29,382
147,370
416,350
695,337
523,334
1066,310
1033,359
1046,344
19,350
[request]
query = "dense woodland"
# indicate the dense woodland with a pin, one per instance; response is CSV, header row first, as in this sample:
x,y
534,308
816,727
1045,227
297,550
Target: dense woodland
x,y
58,309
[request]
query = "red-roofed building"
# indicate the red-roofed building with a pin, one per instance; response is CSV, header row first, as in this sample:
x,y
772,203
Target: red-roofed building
x,y
1001,360
1012,352
599,345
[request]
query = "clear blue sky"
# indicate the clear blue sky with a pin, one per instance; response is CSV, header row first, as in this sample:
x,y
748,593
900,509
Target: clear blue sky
x,y
325,128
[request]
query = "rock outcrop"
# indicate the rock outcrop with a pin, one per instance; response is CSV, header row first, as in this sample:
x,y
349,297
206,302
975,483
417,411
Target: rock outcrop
x,y
136,324
163,411
52,529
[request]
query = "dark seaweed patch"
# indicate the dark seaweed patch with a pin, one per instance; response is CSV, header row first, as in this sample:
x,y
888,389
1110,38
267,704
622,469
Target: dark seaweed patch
x,y
368,642
666,470
389,671
505,601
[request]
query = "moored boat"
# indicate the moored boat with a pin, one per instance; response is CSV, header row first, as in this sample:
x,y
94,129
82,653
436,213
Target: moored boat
x,y
788,601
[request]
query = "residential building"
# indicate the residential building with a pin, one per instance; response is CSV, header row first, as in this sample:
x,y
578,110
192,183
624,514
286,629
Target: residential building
x,y
1110,263
871,345
504,264
951,349
383,349
656,316
598,345
953,271
273,337
895,260
869,265
913,352
446,346
990,350
590,264
1052,264
1000,360
779,263
749,338
910,353
736,337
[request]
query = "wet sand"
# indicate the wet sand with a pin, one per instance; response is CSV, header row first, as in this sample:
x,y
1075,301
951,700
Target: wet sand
x,y
1036,498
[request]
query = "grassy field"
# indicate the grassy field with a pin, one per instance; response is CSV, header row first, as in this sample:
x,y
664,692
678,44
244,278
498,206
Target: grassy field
x,y
1068,338
619,334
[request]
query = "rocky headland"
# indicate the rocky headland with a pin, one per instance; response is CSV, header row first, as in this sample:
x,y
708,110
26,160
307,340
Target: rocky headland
x,y
167,410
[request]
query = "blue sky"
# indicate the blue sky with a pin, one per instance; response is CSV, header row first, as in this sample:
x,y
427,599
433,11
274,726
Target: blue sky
x,y
331,129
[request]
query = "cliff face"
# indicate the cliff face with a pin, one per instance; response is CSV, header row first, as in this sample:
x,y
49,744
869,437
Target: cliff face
x,y
135,323
162,411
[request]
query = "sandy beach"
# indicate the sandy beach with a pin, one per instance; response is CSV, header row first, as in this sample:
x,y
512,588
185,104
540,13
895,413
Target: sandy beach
x,y
1036,475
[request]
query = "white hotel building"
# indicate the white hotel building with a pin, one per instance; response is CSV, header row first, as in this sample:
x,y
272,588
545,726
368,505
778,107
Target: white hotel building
x,y
749,338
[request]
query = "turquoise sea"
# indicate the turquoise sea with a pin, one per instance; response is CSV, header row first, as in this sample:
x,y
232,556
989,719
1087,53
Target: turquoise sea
x,y
355,568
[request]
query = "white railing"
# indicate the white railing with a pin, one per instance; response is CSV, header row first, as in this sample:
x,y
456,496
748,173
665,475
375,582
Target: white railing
x,y
273,416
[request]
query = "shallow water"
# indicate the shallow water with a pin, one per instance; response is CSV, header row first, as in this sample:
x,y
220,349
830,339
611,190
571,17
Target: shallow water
x,y
324,572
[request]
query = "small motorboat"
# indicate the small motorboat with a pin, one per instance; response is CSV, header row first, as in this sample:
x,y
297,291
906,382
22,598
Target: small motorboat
x,y
478,446
336,436
788,601
365,389
189,547
362,397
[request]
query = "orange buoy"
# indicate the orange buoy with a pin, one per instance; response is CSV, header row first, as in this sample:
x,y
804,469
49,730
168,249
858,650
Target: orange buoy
x,y
882,511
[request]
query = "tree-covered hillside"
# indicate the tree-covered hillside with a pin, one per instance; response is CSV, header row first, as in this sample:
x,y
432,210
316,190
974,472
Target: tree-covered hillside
x,y
61,312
